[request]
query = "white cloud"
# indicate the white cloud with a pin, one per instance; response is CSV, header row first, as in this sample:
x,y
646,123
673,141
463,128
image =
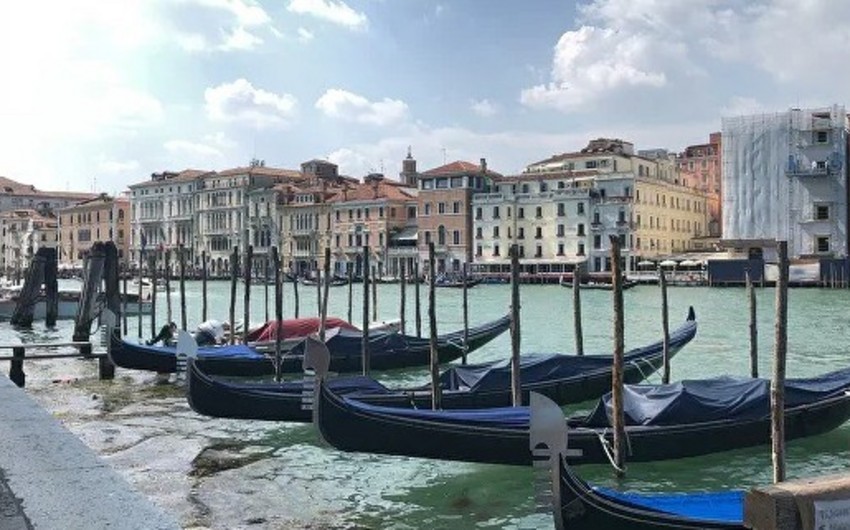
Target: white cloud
x,y
240,39
742,106
246,12
483,108
188,147
345,105
305,35
335,11
105,165
629,45
240,102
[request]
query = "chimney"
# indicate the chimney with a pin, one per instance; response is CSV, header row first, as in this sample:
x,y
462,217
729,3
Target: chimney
x,y
484,165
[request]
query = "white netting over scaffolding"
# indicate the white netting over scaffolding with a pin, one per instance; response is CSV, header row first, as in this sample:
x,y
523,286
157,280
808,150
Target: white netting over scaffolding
x,y
784,177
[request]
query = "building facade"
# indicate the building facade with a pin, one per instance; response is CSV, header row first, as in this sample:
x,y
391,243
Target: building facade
x,y
17,196
701,166
371,215
102,219
785,178
24,231
445,211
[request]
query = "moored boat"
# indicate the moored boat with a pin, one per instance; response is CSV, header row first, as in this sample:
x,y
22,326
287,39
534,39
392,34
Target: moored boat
x,y
565,378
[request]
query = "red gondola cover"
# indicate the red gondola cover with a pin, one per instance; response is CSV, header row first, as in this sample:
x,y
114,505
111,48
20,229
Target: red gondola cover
x,y
294,327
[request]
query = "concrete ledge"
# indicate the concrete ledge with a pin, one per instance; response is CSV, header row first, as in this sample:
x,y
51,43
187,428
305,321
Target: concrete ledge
x,y
58,480
793,505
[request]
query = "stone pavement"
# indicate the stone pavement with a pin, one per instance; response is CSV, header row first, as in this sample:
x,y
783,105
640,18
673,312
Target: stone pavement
x,y
49,479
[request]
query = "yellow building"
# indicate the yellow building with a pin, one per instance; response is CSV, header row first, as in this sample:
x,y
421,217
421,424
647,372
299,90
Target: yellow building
x,y
103,218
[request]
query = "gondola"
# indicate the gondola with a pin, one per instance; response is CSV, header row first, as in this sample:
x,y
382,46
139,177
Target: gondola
x,y
598,286
388,351
679,420
456,284
335,282
566,378
579,506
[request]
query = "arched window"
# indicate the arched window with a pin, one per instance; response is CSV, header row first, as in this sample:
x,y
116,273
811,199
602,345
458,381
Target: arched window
x,y
441,235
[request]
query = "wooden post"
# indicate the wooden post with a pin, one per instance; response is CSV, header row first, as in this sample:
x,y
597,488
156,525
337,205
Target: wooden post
x,y
754,330
364,350
416,296
436,390
618,419
777,384
167,272
16,366
350,274
295,293
234,270
139,305
318,292
577,309
203,286
516,388
153,293
278,314
665,328
327,278
374,285
246,313
124,299
403,294
182,251
465,313
51,286
266,286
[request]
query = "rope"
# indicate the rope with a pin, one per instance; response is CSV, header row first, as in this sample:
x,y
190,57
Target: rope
x,y
609,451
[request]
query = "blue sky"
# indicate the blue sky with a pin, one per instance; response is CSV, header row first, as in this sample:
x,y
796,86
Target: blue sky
x,y
101,94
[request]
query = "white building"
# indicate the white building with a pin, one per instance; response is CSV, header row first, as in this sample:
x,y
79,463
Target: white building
x,y
785,178
23,232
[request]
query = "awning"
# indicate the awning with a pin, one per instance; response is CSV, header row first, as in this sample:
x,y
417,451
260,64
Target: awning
x,y
645,263
409,233
668,263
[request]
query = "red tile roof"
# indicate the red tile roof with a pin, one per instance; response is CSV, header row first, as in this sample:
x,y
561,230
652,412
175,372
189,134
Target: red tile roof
x,y
13,187
382,189
454,168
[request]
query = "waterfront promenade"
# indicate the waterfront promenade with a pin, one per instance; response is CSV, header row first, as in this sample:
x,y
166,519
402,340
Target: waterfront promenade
x,y
50,480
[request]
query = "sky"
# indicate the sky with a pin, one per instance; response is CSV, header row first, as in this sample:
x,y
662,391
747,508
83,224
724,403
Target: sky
x,y
97,95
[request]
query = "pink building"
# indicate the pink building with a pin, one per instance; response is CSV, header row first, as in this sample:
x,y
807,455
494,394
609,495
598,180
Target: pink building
x,y
701,166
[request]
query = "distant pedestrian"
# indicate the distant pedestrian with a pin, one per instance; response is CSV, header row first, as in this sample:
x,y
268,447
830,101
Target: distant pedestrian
x,y
166,335
209,333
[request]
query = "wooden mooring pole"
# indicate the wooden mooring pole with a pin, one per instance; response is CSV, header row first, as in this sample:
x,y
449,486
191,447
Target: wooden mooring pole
x,y
246,309
139,304
318,292
754,330
436,390
153,269
266,286
183,319
516,388
203,286
295,295
278,314
364,347
665,327
402,294
167,272
618,418
777,384
418,314
577,310
350,274
465,313
327,287
234,271
374,285
126,292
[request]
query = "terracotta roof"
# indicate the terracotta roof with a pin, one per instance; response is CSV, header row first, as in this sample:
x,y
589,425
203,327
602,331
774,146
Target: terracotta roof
x,y
453,168
13,187
383,189
26,213
103,198
171,177
261,170
552,175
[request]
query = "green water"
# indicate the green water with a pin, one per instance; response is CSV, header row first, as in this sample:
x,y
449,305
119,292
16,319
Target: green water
x,y
369,491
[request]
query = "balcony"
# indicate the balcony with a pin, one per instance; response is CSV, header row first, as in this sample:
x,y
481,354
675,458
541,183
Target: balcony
x,y
596,226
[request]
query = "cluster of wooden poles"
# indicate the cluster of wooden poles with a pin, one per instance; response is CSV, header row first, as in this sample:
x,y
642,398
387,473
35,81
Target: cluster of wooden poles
x,y
618,421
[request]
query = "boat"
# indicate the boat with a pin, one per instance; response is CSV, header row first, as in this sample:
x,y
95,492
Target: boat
x,y
455,283
576,505
388,351
335,282
685,419
565,378
599,286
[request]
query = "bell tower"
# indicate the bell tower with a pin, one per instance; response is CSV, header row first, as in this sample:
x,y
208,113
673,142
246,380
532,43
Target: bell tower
x,y
408,175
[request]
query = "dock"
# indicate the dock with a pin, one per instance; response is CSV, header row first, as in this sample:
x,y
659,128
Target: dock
x,y
49,479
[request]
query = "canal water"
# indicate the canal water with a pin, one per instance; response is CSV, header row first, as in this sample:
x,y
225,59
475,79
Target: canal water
x,y
214,473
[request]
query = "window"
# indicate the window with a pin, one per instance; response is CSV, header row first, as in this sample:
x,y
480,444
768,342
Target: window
x,y
442,183
366,213
521,251
427,236
495,212
823,244
495,232
525,188
543,187
359,213
596,218
457,182
479,232
428,184
520,213
621,218
538,253
337,240
580,208
478,213
561,209
411,212
427,208
456,237
456,207
580,251
520,234
580,230
821,212
597,242
590,164
381,239
381,212
821,137
478,251
538,233
560,249
560,230
539,212
495,250
441,208
441,235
